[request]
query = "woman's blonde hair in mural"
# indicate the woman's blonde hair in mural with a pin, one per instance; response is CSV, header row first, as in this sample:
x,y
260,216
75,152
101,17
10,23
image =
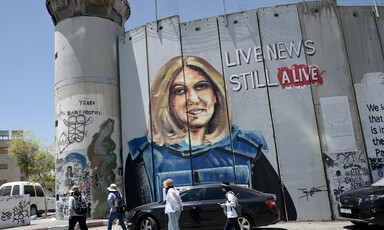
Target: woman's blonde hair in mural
x,y
166,130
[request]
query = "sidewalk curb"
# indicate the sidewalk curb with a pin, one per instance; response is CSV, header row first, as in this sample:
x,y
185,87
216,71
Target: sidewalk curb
x,y
97,223
65,227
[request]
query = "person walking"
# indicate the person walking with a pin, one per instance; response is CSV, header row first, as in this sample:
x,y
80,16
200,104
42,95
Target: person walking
x,y
230,207
173,205
113,200
76,213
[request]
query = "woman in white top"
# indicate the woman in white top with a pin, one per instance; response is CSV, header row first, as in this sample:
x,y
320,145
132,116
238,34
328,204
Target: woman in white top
x,y
230,206
173,205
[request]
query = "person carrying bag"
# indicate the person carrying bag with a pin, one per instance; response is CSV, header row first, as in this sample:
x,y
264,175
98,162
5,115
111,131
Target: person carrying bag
x,y
77,209
230,207
116,211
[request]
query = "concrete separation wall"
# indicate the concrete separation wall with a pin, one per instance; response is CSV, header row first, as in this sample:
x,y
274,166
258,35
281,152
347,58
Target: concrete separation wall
x,y
14,211
291,77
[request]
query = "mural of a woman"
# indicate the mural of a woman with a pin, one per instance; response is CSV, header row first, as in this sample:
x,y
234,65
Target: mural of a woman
x,y
191,138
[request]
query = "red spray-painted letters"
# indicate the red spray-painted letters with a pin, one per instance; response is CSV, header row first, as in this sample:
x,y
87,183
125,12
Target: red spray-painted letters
x,y
299,75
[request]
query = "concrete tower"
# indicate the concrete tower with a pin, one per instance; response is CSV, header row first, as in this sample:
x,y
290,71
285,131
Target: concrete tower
x,y
87,101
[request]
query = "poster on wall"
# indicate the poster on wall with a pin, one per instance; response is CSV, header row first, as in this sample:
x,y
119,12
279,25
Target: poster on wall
x,y
92,169
338,124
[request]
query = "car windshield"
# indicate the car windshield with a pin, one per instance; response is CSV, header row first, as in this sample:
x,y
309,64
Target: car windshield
x,y
5,191
379,182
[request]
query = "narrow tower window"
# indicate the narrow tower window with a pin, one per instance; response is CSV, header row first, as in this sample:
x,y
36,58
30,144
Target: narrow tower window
x,y
116,17
63,14
95,10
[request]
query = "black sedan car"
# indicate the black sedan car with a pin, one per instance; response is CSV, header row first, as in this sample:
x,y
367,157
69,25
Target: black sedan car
x,y
364,205
202,211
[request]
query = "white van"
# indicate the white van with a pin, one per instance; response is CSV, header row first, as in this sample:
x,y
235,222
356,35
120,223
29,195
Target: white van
x,y
36,193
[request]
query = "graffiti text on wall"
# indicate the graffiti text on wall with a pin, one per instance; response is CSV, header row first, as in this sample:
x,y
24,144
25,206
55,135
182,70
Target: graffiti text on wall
x,y
250,80
377,129
18,214
295,76
299,75
346,171
75,122
14,211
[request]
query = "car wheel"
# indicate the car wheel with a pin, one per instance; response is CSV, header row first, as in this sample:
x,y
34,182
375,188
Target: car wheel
x,y
148,223
33,210
245,223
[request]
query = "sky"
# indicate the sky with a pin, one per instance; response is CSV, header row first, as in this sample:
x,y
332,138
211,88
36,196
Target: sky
x,y
27,52
27,68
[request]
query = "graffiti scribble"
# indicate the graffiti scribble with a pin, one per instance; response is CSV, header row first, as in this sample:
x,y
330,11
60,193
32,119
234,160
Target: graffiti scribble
x,y
310,192
20,212
6,216
62,142
80,176
350,158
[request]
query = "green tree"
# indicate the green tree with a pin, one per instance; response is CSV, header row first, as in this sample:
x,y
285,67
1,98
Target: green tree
x,y
35,160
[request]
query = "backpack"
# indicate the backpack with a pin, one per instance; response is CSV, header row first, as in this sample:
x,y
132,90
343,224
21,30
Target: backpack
x,y
238,207
120,203
80,206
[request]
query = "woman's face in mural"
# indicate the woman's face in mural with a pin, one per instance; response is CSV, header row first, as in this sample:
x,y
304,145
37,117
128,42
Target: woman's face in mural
x,y
198,92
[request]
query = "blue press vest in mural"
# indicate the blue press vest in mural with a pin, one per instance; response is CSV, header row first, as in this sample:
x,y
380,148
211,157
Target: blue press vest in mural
x,y
211,163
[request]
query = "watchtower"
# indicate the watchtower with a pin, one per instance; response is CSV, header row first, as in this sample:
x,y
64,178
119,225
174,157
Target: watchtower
x,y
87,99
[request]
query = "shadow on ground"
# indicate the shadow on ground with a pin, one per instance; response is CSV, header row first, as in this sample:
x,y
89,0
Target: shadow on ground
x,y
363,227
269,228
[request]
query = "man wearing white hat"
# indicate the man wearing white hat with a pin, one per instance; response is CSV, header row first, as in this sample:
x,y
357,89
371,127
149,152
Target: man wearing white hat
x,y
113,200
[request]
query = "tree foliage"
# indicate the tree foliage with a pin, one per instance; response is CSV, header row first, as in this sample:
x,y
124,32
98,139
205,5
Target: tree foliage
x,y
35,160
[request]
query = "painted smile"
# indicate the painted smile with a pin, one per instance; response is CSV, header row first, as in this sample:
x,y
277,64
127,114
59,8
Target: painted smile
x,y
195,112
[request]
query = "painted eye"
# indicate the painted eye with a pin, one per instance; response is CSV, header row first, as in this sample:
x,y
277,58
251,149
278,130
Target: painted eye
x,y
202,85
179,90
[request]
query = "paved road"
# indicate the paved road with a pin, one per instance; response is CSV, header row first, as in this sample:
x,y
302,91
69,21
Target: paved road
x,y
43,223
332,225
